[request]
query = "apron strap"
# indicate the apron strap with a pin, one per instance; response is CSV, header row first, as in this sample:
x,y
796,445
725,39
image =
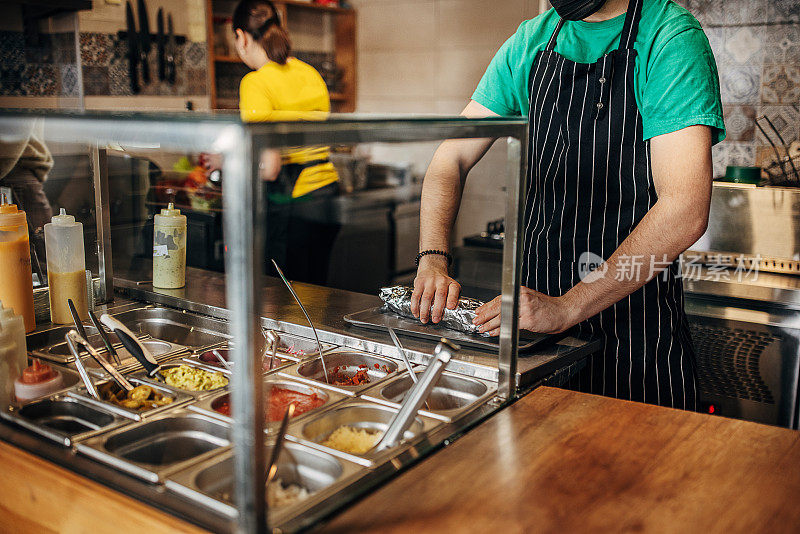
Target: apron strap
x,y
631,27
551,44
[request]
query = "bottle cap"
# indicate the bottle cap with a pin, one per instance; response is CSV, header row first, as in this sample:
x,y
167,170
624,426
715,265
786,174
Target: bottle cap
x,y
62,219
11,216
170,211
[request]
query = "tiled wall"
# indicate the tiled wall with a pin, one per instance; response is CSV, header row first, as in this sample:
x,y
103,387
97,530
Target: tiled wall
x,y
427,56
50,67
757,47
46,68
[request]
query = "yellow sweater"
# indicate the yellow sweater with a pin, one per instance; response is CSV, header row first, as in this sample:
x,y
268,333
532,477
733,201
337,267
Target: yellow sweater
x,y
290,92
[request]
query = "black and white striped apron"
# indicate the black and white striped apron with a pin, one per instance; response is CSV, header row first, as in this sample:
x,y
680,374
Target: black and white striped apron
x,y
589,185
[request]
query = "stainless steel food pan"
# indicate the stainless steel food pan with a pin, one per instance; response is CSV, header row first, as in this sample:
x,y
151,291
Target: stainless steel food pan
x,y
63,419
180,398
208,360
210,483
192,331
159,380
158,447
210,405
453,395
359,414
346,363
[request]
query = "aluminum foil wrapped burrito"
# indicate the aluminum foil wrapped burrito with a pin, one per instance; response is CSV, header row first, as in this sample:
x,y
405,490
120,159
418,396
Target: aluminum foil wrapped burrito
x,y
398,300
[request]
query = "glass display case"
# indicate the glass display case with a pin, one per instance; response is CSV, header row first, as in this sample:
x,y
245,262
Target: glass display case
x,y
197,454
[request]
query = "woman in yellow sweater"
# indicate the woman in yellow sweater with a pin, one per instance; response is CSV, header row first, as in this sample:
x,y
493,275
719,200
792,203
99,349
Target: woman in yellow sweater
x,y
301,181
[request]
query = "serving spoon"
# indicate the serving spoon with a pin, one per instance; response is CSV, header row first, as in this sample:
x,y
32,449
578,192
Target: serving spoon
x,y
308,318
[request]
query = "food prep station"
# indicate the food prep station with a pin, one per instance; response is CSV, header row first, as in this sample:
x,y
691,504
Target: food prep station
x,y
187,456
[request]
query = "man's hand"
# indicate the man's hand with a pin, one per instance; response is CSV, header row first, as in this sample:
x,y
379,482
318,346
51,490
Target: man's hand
x,y
537,313
433,289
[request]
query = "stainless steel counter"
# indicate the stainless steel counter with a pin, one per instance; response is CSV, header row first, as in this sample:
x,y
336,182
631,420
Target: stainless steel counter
x,y
205,293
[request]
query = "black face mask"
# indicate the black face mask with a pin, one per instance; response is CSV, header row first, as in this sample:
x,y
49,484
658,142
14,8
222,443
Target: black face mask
x,y
576,9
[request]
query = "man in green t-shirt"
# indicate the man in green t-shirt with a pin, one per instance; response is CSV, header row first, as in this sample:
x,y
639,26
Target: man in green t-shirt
x,y
623,103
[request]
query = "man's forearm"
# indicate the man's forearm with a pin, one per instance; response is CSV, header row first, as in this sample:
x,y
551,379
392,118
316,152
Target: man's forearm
x,y
662,235
441,196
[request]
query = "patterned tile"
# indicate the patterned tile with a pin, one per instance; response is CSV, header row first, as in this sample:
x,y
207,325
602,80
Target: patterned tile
x,y
782,44
11,80
745,12
39,80
12,53
716,38
732,153
740,84
196,82
118,79
785,119
96,49
41,51
95,81
64,48
783,11
69,80
707,11
195,54
739,122
744,46
780,84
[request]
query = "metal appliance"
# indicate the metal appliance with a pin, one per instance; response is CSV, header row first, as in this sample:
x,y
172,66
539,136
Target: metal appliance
x,y
743,302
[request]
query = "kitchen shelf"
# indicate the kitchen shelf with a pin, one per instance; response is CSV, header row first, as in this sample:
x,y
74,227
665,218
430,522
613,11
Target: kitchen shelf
x,y
343,36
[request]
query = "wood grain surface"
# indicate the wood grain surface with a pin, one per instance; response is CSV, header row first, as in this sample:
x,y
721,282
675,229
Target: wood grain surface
x,y
38,496
560,461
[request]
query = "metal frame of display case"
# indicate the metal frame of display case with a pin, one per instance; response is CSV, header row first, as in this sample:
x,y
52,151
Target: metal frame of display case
x,y
244,231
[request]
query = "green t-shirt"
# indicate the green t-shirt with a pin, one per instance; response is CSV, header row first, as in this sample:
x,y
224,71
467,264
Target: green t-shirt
x,y
675,78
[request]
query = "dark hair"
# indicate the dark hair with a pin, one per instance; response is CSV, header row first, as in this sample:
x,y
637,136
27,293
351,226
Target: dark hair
x,y
260,19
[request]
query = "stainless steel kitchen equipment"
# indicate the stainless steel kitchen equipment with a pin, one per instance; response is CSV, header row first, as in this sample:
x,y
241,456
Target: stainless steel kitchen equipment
x,y
742,286
138,448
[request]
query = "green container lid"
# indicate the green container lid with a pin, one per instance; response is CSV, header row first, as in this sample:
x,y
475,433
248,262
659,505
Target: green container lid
x,y
742,175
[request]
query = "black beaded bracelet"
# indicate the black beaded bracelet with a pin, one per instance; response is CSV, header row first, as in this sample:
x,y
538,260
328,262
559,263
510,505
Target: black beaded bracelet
x,y
434,253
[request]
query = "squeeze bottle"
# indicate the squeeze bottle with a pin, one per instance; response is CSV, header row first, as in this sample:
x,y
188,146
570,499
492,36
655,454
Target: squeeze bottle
x,y
66,267
169,249
16,280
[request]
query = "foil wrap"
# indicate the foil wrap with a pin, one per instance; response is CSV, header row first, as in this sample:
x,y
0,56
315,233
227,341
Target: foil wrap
x,y
397,299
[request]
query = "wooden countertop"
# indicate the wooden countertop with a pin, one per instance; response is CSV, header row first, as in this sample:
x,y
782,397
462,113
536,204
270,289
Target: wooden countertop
x,y
560,461
38,496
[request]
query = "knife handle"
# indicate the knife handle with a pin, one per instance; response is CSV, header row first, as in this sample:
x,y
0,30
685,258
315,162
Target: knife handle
x,y
145,67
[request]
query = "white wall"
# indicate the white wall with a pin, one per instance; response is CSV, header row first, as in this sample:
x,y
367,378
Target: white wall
x,y
427,56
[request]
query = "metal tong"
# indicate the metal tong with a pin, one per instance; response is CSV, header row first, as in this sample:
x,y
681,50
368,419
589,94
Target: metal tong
x,y
104,336
308,318
417,395
74,341
132,344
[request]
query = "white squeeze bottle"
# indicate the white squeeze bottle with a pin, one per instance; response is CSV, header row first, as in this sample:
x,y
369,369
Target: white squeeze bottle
x,y
66,267
13,353
169,249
